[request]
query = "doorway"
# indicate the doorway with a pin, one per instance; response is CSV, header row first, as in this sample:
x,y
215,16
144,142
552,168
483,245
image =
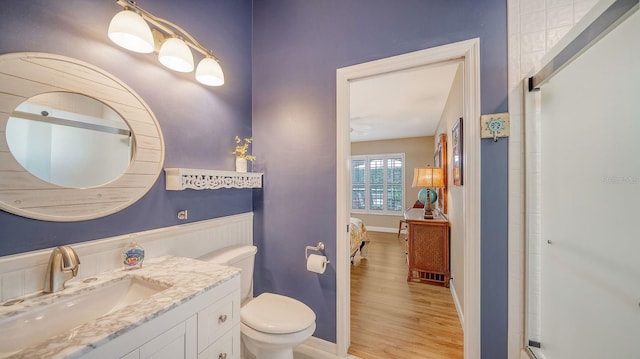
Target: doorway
x,y
468,52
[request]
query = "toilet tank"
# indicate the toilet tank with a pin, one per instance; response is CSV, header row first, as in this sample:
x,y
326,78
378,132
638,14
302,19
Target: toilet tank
x,y
242,257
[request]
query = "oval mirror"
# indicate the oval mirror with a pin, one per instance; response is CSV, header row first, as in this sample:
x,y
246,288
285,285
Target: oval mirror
x,y
69,139
60,161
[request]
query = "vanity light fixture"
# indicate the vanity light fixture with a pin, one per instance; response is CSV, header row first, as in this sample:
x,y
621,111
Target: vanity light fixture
x,y
130,28
175,54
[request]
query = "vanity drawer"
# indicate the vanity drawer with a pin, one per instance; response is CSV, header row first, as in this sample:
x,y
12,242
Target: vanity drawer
x,y
227,347
217,319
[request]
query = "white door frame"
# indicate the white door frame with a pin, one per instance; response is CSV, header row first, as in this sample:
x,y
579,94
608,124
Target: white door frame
x,y
469,52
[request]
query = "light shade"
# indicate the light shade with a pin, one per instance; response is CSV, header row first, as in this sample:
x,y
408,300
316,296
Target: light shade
x,y
129,30
175,54
209,72
428,177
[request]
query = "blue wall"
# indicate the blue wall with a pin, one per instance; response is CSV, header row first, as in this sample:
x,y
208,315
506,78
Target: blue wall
x,y
298,45
198,123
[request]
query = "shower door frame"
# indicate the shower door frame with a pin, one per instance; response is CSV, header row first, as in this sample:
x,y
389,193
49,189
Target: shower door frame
x,y
602,19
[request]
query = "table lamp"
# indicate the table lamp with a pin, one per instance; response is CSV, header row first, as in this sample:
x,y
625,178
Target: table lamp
x,y
428,177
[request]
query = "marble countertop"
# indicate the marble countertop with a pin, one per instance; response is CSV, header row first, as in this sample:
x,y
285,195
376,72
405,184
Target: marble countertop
x,y
186,277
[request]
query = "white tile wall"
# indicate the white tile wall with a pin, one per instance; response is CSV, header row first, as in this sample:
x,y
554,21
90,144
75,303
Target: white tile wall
x,y
529,6
23,274
532,22
555,3
559,16
554,35
580,8
534,27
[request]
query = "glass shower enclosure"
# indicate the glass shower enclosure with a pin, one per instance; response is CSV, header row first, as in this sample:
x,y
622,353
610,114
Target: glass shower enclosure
x,y
583,192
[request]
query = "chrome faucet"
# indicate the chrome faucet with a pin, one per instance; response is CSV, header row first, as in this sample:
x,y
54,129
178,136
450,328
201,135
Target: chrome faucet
x,y
63,265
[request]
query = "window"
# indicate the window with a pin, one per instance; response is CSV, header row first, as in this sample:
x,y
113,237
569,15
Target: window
x,y
377,184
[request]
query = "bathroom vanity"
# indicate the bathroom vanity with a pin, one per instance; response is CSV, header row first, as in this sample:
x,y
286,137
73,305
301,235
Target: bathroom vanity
x,y
173,307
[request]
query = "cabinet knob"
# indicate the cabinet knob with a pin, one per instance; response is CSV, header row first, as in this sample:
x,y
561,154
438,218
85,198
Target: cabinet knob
x,y
221,319
222,356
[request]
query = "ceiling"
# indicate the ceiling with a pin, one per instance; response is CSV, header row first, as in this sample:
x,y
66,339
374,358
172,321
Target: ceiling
x,y
401,104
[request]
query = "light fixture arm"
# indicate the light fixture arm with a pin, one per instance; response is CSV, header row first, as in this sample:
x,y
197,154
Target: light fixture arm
x,y
168,27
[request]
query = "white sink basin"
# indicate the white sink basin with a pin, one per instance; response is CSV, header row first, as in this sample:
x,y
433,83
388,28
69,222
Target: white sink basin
x,y
69,312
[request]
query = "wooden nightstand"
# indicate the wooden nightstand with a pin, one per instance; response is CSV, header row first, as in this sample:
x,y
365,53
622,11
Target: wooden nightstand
x,y
428,250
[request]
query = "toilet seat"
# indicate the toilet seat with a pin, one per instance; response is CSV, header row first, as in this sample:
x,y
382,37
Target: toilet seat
x,y
270,340
277,314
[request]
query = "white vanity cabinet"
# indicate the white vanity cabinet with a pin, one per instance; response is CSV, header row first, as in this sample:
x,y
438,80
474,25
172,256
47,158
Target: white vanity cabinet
x,y
206,326
219,329
176,343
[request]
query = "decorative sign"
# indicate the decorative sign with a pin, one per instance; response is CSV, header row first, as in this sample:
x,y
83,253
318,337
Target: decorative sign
x,y
494,126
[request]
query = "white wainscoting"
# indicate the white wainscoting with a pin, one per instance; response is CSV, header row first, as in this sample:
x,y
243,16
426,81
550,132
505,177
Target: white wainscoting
x,y
23,273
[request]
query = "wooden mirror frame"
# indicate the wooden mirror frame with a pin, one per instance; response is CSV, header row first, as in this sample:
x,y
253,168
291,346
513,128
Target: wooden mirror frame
x,y
27,74
440,160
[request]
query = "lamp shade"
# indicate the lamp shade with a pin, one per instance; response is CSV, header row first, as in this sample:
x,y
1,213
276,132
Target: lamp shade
x,y
175,54
428,177
129,30
209,72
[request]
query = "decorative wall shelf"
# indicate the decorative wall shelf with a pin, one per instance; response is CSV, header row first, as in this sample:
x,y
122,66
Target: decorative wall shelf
x,y
182,178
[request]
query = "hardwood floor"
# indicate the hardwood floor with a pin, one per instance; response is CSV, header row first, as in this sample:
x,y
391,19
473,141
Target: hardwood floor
x,y
391,318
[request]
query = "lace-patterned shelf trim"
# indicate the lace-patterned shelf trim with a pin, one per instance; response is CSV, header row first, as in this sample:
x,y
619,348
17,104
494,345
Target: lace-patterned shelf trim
x,y
178,179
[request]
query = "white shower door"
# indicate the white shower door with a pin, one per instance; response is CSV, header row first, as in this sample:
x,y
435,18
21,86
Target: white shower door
x,y
583,210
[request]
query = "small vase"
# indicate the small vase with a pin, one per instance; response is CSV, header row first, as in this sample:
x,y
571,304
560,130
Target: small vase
x,y
241,164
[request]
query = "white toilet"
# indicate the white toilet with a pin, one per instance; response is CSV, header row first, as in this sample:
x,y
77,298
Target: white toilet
x,y
271,325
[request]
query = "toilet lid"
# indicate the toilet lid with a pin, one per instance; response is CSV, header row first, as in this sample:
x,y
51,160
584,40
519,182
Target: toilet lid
x,y
277,314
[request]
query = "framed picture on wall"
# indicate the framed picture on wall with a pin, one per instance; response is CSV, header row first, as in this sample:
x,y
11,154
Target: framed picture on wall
x,y
440,161
457,158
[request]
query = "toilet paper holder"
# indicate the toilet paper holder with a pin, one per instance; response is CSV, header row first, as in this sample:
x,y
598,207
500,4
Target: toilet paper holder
x,y
318,248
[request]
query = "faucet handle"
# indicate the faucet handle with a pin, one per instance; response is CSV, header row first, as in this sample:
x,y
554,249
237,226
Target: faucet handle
x,y
70,260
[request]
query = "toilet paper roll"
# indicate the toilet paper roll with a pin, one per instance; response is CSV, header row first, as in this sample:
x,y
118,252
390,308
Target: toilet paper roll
x,y
316,263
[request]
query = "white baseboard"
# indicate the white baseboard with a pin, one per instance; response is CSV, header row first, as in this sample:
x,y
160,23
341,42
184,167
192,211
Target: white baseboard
x,y
457,303
382,229
319,349
321,344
